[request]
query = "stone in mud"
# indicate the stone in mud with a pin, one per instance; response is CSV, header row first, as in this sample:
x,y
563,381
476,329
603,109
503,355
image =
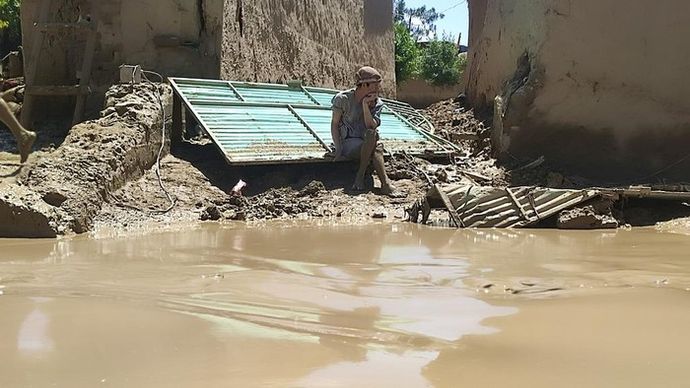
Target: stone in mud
x,y
380,215
211,213
23,214
312,189
54,198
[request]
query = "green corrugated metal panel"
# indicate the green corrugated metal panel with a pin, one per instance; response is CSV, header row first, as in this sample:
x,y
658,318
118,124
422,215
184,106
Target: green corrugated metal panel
x,y
279,94
257,134
218,91
322,96
266,123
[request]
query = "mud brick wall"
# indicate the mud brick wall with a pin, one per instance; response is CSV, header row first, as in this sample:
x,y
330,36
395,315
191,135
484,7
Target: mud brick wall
x,y
321,42
604,92
127,32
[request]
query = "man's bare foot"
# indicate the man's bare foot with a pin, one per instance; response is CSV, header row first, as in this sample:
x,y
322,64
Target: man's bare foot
x,y
358,185
390,191
25,144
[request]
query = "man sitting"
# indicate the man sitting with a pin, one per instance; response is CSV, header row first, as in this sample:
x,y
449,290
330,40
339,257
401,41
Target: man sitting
x,y
354,127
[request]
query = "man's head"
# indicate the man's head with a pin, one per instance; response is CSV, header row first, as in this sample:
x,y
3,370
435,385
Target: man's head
x,y
368,79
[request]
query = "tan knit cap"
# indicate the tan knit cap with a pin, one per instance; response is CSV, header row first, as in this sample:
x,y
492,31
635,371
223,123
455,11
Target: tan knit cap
x,y
367,75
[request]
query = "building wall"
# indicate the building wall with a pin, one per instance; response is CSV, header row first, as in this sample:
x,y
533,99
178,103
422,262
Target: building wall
x,y
127,30
606,88
421,94
321,42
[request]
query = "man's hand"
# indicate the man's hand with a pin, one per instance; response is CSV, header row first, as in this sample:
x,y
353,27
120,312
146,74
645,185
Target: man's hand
x,y
369,98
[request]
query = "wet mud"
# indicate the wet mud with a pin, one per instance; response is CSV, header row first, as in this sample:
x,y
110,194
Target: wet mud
x,y
64,189
322,304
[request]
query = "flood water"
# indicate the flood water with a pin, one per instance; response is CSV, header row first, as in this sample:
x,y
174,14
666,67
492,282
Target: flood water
x,y
343,306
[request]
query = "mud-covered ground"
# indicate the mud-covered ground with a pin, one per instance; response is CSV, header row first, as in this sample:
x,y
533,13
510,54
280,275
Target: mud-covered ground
x,y
200,191
199,182
195,183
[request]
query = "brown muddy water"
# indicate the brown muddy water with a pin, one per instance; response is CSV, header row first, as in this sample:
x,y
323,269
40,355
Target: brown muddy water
x,y
341,306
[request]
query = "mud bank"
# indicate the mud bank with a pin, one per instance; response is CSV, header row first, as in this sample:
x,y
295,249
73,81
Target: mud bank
x,y
63,191
101,177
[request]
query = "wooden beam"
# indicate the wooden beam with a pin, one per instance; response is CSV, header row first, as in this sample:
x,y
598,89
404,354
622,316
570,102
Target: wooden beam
x,y
63,90
176,131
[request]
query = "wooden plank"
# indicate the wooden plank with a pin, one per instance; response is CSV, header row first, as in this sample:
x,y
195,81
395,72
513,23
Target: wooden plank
x,y
52,27
31,63
176,131
449,205
517,203
55,90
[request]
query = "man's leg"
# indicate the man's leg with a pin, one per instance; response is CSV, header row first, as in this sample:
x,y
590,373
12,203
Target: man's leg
x,y
25,139
366,153
380,167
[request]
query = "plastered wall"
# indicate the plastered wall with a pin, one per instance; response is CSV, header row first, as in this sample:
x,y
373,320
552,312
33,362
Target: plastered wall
x,y
606,88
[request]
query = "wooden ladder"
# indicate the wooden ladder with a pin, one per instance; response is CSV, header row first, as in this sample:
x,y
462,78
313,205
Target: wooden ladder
x,y
81,90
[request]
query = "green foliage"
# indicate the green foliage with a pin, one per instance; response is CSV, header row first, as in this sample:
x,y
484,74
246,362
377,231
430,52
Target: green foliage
x,y
399,12
421,22
406,53
10,26
440,63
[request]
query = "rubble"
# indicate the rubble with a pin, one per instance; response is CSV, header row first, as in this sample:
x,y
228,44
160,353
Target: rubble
x,y
586,217
455,123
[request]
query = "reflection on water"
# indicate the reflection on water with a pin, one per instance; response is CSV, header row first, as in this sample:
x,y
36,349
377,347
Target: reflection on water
x,y
301,305
33,338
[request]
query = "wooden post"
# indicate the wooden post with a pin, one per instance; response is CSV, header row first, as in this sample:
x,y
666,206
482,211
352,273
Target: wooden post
x,y
176,131
31,63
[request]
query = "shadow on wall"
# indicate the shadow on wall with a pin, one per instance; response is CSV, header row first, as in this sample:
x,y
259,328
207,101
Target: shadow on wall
x,y
377,16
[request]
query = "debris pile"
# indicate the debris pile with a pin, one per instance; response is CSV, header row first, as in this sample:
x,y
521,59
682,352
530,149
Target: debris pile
x,y
455,123
597,215
272,204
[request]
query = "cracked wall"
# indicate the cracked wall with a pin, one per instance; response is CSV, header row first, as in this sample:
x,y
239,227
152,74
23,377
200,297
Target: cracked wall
x,y
605,92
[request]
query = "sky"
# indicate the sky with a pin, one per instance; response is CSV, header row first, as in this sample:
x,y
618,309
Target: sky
x,y
457,18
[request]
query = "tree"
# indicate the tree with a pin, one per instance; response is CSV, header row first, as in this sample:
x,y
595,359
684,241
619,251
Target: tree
x,y
406,53
10,26
440,63
421,22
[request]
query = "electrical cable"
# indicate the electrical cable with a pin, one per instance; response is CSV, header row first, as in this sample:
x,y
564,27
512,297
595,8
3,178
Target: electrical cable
x,y
454,6
173,201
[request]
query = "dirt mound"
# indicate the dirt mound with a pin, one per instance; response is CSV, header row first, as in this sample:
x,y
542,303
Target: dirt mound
x,y
96,158
460,125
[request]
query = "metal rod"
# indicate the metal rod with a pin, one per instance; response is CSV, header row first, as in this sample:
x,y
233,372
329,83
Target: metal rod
x,y
517,203
304,122
198,118
419,130
235,91
310,96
